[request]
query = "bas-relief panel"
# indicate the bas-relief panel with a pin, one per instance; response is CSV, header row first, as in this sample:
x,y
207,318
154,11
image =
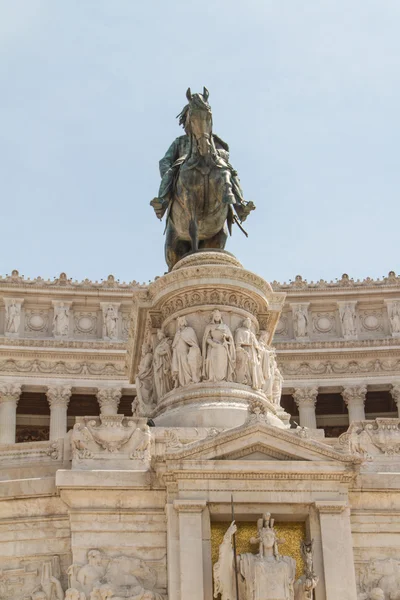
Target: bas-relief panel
x,y
87,324
293,534
36,322
372,323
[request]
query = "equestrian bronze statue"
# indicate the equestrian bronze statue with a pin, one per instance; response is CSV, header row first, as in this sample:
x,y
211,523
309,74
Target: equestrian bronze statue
x,y
200,190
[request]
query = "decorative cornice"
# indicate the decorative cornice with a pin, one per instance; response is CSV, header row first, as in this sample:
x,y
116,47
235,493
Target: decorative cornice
x,y
113,345
190,506
59,367
15,280
342,284
192,449
330,507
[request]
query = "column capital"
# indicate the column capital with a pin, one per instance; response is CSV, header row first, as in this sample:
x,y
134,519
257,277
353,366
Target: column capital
x,y
354,394
190,506
59,395
306,396
330,507
395,392
10,392
108,399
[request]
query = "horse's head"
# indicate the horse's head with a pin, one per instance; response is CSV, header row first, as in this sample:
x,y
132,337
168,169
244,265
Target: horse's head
x,y
197,120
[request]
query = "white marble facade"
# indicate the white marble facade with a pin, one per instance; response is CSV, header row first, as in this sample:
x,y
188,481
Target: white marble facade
x,y
112,507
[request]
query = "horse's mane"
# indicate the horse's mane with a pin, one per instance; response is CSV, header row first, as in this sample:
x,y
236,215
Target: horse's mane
x,y
197,100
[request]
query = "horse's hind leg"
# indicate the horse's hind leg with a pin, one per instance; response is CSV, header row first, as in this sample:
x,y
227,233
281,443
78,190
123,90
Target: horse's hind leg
x,y
217,241
175,248
193,232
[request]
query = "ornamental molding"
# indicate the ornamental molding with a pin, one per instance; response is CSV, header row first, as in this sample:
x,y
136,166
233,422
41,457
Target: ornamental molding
x,y
15,280
62,367
330,507
190,506
344,283
211,295
339,343
215,444
67,343
219,274
31,452
337,368
178,475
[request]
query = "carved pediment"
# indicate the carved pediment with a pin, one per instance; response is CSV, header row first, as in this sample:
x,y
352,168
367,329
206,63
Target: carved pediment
x,y
259,442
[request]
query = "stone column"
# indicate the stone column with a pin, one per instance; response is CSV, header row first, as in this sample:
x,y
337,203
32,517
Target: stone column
x,y
306,398
58,398
191,548
108,399
9,396
354,396
395,392
337,549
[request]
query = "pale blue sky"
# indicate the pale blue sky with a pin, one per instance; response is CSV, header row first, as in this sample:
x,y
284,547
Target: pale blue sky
x,y
306,93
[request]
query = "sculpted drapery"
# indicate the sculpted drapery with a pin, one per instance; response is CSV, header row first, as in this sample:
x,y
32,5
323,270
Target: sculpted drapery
x,y
162,365
186,355
263,576
248,364
219,353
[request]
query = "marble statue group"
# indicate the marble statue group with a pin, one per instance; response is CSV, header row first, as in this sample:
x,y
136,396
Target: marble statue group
x,y
239,357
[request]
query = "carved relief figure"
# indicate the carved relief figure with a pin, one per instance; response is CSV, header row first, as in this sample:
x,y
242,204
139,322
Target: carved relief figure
x,y
263,576
219,353
86,577
301,322
162,365
277,380
119,577
145,377
248,365
266,362
74,594
395,318
110,321
61,320
380,580
13,317
49,590
348,319
186,355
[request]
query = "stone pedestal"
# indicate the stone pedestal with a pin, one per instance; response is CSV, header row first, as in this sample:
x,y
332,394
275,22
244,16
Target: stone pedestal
x,y
337,548
208,384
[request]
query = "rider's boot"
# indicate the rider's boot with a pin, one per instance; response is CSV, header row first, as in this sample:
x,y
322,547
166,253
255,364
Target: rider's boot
x,y
228,197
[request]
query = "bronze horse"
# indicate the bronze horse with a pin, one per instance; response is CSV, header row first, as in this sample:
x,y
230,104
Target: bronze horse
x,y
201,198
